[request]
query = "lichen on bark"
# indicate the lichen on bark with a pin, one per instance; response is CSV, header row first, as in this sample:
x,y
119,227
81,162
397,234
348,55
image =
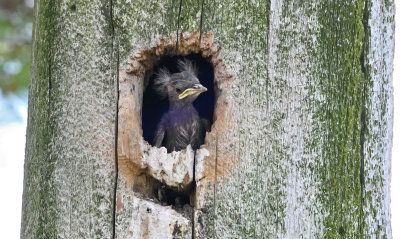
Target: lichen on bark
x,y
69,165
306,119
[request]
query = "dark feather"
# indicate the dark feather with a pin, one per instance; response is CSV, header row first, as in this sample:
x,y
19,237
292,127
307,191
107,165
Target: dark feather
x,y
161,82
181,125
186,65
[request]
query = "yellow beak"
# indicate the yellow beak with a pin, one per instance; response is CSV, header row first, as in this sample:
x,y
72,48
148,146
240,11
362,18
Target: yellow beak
x,y
196,90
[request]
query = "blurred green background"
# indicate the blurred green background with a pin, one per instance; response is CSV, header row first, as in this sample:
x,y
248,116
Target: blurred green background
x,y
15,45
15,57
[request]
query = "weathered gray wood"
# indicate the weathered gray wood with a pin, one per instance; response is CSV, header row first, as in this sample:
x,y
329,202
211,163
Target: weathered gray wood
x,y
300,146
304,105
69,165
379,53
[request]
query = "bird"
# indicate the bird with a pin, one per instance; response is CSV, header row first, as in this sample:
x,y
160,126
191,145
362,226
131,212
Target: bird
x,y
181,125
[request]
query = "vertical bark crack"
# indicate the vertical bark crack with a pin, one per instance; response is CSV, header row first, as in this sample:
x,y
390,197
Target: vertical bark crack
x,y
179,23
201,20
363,119
116,84
362,141
115,149
268,10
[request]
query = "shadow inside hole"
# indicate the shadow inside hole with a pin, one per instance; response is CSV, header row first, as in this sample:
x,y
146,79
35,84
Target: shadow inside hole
x,y
168,196
154,107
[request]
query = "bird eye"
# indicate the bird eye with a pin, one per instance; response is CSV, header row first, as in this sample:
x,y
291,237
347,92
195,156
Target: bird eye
x,y
178,90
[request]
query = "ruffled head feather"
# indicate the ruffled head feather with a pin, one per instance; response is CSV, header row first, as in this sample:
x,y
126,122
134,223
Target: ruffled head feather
x,y
161,82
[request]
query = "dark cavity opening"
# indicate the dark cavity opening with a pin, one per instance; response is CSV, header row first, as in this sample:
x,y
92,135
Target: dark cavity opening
x,y
171,197
154,107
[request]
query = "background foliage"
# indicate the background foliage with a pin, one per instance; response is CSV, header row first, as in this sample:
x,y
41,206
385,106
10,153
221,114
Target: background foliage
x,y
15,45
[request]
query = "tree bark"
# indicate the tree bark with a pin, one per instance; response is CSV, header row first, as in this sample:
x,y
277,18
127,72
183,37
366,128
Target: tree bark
x,y
302,135
69,163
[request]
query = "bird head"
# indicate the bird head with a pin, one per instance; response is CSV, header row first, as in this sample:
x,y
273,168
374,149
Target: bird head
x,y
182,88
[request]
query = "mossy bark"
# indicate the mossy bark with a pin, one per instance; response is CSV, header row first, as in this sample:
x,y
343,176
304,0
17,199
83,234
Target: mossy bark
x,y
312,108
69,164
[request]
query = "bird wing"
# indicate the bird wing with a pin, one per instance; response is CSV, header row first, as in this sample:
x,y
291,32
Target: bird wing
x,y
206,124
159,135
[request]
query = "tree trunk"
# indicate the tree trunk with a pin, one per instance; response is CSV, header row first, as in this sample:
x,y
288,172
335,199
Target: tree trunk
x,y
300,145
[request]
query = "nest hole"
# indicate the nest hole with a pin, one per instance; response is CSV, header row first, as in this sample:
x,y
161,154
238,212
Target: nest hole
x,y
154,106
